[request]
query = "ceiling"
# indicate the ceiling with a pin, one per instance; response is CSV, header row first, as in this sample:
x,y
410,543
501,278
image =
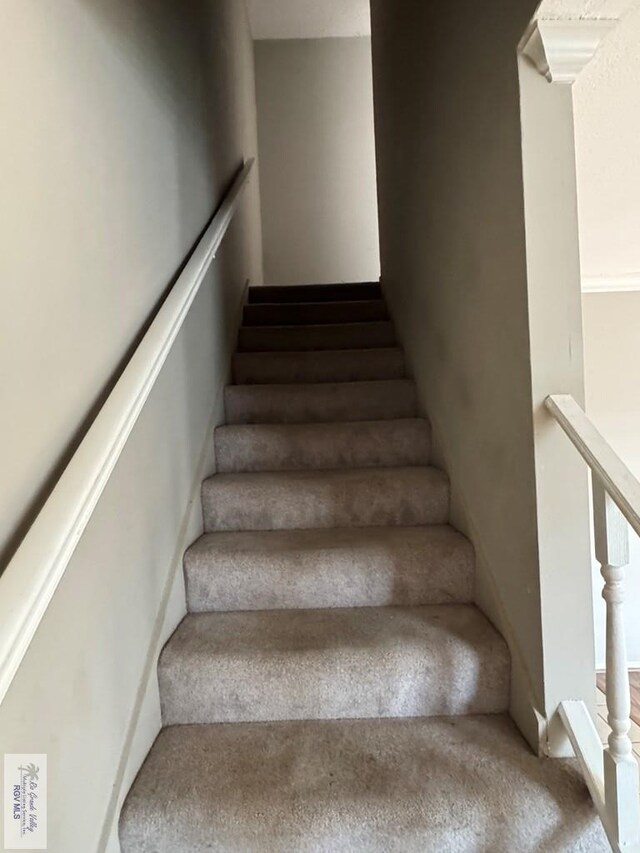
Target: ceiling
x,y
299,19
572,9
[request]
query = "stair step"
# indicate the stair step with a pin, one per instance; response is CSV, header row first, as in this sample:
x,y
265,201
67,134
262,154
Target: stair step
x,y
263,368
333,664
295,500
321,403
296,447
351,292
404,786
314,313
298,338
347,567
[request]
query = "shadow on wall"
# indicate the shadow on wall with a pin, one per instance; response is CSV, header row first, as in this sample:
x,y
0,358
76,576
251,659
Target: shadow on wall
x,y
454,266
192,79
190,91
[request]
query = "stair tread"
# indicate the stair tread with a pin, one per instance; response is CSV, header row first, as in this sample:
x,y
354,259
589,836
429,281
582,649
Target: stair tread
x,y
331,600
338,567
287,447
405,496
318,366
404,786
289,479
384,399
375,333
333,663
357,630
260,294
315,313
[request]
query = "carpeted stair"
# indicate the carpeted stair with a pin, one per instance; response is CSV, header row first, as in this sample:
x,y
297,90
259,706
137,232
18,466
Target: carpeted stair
x,y
321,446
320,402
333,687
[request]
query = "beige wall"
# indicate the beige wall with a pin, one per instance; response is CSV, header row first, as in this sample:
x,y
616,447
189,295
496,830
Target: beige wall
x,y
612,356
113,160
317,160
122,126
455,267
607,113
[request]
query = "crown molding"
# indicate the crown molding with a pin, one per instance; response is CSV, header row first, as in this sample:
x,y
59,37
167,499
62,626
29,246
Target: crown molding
x,y
561,49
627,283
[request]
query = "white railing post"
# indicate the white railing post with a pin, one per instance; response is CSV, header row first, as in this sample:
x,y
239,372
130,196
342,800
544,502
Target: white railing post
x,y
622,794
612,773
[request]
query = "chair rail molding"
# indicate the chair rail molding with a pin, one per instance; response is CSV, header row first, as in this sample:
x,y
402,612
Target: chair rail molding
x,y
561,49
32,577
626,283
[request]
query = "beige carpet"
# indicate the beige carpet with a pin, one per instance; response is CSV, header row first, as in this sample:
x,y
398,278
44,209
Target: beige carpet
x,y
329,593
444,785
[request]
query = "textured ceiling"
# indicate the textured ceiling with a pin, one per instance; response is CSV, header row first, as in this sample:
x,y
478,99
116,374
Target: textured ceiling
x,y
606,101
295,19
573,9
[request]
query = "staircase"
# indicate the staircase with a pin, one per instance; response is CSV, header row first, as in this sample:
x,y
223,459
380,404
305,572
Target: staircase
x,y
333,687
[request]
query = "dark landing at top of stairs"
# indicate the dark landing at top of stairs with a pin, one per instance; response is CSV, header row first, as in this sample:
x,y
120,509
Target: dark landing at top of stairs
x,y
315,313
343,336
315,293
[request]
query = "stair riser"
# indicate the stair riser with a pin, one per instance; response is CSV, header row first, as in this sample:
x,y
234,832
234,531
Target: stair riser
x,y
314,293
249,502
351,687
321,446
316,671
324,585
298,404
333,366
317,338
307,572
314,313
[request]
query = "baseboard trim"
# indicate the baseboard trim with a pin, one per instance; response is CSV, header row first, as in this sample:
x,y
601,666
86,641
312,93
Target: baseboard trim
x,y
631,665
523,705
184,540
157,640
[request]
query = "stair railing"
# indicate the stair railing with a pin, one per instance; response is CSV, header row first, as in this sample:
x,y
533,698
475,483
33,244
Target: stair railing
x,y
611,773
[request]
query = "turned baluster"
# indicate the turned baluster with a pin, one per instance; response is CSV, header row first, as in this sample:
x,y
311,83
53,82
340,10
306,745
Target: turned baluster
x,y
622,796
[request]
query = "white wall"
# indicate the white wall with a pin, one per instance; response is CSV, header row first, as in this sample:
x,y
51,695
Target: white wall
x,y
607,115
303,19
123,124
612,357
555,340
607,128
317,160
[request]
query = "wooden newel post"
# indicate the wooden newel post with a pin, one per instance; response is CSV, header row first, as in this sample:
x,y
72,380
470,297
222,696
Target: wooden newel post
x,y
622,792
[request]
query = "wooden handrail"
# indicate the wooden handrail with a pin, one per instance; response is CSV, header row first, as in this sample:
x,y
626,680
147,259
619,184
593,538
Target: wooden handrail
x,y
29,582
605,463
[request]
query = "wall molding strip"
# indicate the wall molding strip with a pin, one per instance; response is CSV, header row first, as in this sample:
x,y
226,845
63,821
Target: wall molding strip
x,y
627,283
